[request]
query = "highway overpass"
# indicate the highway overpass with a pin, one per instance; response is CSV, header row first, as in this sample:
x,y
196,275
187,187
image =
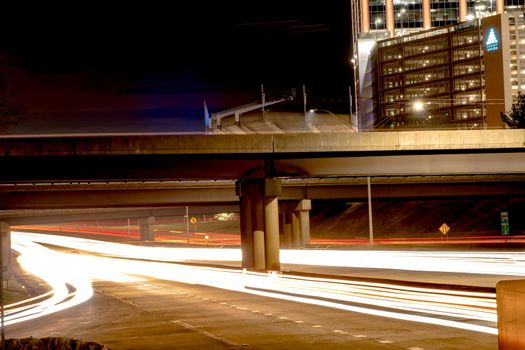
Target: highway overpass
x,y
50,172
192,157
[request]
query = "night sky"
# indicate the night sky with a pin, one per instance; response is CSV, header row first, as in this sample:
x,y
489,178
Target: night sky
x,y
149,66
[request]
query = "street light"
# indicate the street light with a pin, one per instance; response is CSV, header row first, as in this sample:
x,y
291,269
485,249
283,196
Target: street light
x,y
355,64
378,21
419,106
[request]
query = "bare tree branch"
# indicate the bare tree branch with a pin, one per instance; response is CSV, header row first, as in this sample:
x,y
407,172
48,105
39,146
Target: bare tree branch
x,y
12,105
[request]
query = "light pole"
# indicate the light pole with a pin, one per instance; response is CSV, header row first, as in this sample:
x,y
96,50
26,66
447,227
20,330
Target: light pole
x,y
355,64
370,222
187,226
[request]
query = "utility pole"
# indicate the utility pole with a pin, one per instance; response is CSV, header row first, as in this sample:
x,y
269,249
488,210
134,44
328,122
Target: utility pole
x,y
304,104
2,332
263,101
370,223
350,105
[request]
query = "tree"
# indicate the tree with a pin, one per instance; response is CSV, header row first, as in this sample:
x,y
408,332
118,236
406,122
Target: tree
x,y
515,118
11,105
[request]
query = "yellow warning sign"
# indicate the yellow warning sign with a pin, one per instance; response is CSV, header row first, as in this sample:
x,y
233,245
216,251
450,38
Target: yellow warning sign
x,y
444,229
193,220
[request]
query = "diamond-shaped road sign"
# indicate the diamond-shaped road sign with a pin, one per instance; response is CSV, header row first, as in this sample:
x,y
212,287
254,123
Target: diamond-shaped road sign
x,y
444,229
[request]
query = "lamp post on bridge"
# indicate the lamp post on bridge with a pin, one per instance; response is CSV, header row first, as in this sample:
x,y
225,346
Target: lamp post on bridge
x,y
354,63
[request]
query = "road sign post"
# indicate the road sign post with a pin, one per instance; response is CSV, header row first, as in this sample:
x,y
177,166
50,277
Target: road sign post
x,y
505,223
187,218
193,220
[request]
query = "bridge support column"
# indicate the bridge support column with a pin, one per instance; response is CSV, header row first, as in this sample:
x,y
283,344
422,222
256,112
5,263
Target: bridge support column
x,y
287,229
259,222
147,228
281,227
271,223
5,236
303,212
295,230
246,228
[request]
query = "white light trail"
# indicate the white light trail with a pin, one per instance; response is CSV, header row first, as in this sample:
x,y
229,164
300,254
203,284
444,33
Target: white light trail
x,y
57,271
461,309
492,263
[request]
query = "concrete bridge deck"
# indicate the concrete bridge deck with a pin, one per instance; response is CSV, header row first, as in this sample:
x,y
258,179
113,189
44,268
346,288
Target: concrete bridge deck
x,y
164,156
128,144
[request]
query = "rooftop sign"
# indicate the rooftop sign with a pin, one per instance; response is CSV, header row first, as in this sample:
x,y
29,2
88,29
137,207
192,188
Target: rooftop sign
x,y
492,42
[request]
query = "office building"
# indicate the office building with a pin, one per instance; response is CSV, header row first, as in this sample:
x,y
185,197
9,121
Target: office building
x,y
424,63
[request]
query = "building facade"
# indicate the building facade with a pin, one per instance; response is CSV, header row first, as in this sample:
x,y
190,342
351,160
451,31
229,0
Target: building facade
x,y
415,58
429,78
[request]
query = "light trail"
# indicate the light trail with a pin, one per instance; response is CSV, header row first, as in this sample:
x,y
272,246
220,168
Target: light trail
x,y
69,287
491,263
232,239
474,311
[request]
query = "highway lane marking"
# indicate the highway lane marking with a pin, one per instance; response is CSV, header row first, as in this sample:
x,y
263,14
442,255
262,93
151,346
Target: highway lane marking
x,y
230,343
337,331
198,329
180,323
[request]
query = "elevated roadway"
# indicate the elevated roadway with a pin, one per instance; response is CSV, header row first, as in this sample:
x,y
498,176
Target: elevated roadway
x,y
164,156
144,197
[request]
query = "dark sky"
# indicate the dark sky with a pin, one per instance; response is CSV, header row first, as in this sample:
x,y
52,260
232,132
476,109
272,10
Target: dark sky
x,y
155,62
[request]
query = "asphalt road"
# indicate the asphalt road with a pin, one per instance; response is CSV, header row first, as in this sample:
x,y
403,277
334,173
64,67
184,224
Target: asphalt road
x,y
155,314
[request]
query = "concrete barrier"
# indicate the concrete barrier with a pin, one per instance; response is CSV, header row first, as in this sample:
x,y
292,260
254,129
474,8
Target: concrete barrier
x,y
510,297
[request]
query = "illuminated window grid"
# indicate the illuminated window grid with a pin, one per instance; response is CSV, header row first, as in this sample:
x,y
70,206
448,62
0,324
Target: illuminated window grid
x,y
442,71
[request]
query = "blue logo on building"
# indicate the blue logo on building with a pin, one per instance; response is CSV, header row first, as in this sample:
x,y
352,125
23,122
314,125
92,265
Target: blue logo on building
x,y
492,42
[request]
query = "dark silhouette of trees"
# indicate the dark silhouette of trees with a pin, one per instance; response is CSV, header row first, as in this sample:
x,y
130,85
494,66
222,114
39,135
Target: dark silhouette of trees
x,y
515,118
11,104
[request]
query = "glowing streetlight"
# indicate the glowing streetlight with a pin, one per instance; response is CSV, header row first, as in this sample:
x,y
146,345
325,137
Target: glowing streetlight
x,y
419,106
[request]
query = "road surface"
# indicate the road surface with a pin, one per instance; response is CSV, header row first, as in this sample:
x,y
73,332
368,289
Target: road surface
x,y
153,314
143,304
